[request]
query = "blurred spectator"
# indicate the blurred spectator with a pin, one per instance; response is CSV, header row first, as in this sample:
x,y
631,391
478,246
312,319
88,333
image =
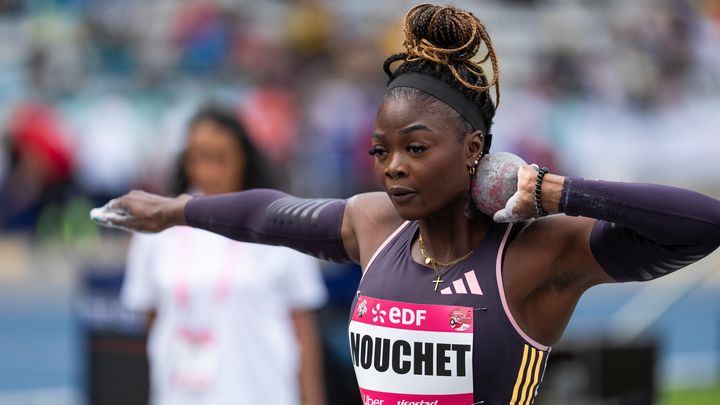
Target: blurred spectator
x,y
272,114
204,33
336,113
232,322
40,168
54,46
705,48
108,136
309,27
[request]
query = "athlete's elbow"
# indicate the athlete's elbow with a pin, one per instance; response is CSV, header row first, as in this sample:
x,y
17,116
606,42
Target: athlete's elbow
x,y
711,241
711,235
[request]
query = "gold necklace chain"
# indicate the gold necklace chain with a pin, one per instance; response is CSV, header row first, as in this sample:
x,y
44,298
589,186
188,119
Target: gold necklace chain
x,y
432,260
434,263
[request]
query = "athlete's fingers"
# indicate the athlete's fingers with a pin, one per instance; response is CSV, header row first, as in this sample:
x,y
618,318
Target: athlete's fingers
x,y
100,217
108,217
510,212
118,220
139,211
501,216
113,204
115,214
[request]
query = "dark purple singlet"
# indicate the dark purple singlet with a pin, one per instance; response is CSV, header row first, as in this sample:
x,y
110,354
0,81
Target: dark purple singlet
x,y
412,345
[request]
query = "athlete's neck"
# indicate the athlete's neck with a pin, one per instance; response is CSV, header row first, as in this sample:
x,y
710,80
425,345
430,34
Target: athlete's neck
x,y
450,234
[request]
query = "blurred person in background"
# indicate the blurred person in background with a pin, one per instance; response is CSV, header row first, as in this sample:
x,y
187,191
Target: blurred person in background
x,y
231,323
40,168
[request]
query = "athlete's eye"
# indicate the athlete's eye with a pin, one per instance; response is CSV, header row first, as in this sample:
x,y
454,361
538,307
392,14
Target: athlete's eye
x,y
378,152
416,149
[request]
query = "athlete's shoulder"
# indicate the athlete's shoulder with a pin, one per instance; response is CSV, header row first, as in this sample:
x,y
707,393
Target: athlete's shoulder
x,y
375,207
373,219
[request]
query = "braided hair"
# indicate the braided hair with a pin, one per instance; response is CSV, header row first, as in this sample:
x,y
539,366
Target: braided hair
x,y
441,41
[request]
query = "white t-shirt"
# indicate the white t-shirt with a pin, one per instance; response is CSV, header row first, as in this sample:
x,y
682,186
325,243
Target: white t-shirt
x,y
223,332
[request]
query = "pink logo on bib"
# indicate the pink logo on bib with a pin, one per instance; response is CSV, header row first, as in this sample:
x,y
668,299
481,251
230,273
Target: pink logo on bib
x,y
379,314
362,309
368,400
460,319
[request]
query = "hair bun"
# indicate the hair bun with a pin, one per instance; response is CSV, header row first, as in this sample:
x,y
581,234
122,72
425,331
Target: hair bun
x,y
448,37
442,33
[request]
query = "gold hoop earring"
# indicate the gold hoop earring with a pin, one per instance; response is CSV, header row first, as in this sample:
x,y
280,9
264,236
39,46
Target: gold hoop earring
x,y
471,170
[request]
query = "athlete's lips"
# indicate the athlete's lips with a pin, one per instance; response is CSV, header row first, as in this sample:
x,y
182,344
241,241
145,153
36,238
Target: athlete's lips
x,y
401,194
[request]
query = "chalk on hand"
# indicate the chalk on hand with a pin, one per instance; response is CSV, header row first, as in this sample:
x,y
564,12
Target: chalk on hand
x,y
109,217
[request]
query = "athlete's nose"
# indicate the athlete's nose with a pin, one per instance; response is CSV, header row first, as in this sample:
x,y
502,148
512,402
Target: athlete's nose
x,y
396,167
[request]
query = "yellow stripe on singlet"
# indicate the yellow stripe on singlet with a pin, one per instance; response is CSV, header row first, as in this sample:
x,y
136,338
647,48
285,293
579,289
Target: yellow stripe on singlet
x,y
523,363
528,376
536,378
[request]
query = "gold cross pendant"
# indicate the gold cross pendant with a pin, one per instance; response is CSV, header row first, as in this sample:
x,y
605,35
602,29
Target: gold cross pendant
x,y
437,282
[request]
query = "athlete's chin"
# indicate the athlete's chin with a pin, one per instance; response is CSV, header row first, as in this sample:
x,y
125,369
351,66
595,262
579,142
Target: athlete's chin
x,y
409,213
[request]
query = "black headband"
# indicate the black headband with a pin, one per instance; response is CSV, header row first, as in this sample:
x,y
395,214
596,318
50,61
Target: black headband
x,y
445,93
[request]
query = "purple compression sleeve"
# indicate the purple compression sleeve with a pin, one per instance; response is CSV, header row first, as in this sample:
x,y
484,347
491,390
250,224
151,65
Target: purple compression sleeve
x,y
645,231
271,217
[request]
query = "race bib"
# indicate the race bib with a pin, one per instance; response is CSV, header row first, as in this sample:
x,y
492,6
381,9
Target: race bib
x,y
412,354
195,360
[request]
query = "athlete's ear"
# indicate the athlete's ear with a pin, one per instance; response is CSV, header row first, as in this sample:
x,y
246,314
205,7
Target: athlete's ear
x,y
474,142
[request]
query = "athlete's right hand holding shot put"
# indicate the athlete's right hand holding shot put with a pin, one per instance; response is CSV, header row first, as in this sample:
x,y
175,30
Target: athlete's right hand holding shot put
x,y
455,307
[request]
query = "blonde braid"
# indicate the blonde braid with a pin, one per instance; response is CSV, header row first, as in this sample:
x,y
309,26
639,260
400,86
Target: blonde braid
x,y
442,25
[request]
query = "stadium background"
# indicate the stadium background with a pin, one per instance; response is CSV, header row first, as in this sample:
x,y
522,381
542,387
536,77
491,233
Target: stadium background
x,y
94,96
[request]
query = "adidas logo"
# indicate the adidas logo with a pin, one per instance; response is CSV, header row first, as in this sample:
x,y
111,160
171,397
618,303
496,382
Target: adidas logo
x,y
468,284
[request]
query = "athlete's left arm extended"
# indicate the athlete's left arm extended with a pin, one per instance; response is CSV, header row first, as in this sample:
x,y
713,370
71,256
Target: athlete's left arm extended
x,y
271,217
644,231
